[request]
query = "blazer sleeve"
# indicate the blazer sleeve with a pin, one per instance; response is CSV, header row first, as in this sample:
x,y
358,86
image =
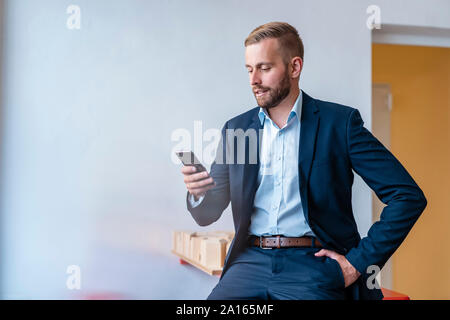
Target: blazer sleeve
x,y
216,199
393,185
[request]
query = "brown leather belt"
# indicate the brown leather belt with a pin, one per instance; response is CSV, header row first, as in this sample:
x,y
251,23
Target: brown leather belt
x,y
278,241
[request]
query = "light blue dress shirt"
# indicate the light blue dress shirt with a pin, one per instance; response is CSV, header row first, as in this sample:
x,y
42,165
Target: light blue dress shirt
x,y
277,205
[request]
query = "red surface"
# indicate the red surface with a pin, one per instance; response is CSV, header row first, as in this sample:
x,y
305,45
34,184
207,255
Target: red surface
x,y
392,295
103,296
183,262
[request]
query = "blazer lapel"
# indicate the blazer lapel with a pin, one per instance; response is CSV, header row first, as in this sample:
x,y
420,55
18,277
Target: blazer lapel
x,y
308,133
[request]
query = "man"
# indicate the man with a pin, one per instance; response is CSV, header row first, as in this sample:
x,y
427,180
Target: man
x,y
296,199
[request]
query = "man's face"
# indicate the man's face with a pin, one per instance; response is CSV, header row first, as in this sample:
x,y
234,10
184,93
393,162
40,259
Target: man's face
x,y
268,74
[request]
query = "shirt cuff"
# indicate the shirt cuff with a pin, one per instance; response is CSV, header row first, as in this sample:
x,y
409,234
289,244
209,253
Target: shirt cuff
x,y
194,203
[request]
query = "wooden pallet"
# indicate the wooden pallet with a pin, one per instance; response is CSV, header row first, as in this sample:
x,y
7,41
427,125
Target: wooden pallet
x,y
213,272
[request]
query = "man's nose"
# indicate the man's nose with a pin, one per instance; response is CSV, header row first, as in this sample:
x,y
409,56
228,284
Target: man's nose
x,y
255,78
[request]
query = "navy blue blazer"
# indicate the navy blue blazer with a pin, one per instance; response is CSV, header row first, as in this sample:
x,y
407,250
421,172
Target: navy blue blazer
x,y
333,142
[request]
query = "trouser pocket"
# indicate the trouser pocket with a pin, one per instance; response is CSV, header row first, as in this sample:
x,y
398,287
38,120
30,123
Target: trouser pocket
x,y
337,273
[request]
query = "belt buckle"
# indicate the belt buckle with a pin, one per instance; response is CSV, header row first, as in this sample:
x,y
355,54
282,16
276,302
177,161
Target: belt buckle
x,y
260,244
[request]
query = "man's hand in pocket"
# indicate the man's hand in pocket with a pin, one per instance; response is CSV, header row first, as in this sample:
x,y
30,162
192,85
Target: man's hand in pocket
x,y
350,273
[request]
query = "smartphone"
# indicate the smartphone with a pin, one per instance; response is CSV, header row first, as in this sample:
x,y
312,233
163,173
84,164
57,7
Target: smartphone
x,y
189,159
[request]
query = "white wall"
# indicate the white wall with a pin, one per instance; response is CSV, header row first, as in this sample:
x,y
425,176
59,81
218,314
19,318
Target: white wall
x,y
86,175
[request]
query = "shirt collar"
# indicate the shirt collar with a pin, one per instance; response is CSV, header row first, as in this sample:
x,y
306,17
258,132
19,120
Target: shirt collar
x,y
296,110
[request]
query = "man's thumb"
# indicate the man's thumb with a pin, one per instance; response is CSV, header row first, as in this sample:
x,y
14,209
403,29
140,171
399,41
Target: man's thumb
x,y
321,253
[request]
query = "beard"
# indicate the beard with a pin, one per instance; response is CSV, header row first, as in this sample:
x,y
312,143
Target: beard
x,y
274,96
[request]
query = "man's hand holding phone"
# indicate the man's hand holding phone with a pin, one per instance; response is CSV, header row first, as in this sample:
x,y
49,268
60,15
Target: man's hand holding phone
x,y
196,182
196,178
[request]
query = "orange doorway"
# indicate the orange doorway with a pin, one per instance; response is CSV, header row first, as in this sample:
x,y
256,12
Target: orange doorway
x,y
417,79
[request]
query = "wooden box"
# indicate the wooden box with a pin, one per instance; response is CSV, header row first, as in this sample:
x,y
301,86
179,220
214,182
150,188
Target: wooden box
x,y
205,250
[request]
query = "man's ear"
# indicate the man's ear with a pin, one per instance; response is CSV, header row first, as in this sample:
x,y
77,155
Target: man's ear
x,y
296,67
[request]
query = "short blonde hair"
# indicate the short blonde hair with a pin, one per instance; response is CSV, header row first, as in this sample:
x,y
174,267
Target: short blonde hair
x,y
291,44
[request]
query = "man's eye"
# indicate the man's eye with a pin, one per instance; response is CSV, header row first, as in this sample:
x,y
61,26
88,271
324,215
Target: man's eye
x,y
265,69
